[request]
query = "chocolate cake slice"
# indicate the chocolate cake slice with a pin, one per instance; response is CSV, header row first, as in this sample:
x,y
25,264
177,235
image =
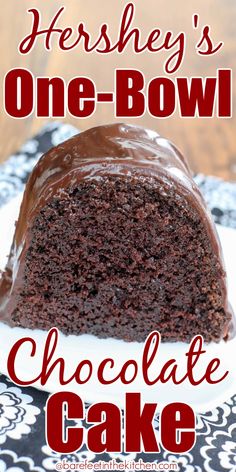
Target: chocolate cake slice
x,y
114,239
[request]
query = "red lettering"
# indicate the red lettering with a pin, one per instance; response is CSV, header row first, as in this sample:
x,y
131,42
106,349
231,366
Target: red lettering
x,y
177,425
105,436
149,354
101,368
224,93
196,98
161,97
62,406
29,41
153,37
50,97
211,368
128,371
139,424
193,355
81,97
209,46
177,428
130,99
78,373
65,35
103,43
125,34
19,93
175,60
121,375
49,351
12,359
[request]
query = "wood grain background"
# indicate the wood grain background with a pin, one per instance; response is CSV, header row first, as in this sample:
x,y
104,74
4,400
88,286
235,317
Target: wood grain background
x,y
210,144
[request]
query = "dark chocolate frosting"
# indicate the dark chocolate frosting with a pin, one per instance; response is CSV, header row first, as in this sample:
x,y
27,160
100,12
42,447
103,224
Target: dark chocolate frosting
x,y
115,149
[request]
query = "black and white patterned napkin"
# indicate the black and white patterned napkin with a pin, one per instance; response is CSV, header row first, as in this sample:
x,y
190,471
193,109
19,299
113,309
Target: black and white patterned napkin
x,y
22,430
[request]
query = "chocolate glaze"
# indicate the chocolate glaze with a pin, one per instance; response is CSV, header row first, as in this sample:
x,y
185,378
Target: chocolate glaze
x,y
115,149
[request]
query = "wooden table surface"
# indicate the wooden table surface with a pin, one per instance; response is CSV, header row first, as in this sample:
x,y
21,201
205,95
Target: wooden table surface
x,y
210,144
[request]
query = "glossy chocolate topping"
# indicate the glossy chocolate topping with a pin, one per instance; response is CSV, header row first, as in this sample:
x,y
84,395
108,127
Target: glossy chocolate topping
x,y
117,149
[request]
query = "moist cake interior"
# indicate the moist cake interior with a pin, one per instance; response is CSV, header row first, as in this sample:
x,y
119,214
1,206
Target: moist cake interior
x,y
120,257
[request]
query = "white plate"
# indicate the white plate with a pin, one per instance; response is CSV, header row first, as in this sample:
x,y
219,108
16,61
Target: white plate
x,y
76,348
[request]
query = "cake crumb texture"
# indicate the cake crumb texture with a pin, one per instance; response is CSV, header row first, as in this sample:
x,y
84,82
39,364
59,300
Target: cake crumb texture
x,y
120,257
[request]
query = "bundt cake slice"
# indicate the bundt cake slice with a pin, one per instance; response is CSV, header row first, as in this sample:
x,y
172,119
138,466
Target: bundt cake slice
x,y
114,239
